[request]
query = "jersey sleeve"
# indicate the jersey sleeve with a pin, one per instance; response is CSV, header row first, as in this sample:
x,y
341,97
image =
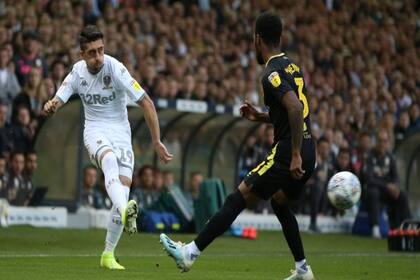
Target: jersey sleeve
x,y
68,87
128,84
277,83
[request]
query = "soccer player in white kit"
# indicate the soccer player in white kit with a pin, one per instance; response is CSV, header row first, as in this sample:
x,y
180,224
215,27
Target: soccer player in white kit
x,y
104,84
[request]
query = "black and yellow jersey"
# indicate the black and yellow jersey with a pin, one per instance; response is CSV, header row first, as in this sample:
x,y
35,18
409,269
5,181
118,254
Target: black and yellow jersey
x,y
279,77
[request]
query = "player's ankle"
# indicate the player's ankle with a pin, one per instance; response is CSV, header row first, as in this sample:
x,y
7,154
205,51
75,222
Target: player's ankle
x,y
192,251
301,267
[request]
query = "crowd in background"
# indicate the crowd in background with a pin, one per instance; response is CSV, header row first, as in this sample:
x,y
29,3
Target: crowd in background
x,y
149,183
360,61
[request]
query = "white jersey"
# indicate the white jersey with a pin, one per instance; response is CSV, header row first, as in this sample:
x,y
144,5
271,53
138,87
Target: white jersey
x,y
104,95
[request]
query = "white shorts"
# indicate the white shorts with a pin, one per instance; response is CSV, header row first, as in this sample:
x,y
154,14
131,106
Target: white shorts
x,y
98,139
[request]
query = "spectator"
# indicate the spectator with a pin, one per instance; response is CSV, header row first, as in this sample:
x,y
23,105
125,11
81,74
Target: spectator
x,y
33,95
29,57
18,188
414,117
9,86
58,72
268,141
361,153
343,162
250,157
193,190
31,165
22,132
402,127
381,182
168,179
144,193
4,177
318,183
91,197
6,142
158,182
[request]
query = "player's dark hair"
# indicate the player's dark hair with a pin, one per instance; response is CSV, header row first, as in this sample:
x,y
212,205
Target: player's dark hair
x,y
269,27
89,34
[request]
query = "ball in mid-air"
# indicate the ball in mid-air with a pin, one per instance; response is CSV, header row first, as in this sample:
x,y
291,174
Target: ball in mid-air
x,y
344,190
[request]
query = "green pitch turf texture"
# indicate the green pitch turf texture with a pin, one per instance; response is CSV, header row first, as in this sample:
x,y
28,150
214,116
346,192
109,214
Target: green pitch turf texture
x,y
33,253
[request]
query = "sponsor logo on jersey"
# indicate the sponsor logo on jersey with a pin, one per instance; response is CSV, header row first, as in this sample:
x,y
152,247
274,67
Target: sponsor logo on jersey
x,y
92,99
135,85
274,79
107,82
123,70
84,83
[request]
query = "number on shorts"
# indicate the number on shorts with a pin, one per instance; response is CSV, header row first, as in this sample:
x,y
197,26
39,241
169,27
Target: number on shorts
x,y
126,156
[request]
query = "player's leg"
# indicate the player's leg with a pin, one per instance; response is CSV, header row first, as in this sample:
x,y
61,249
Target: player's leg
x,y
115,224
292,235
118,189
185,255
115,189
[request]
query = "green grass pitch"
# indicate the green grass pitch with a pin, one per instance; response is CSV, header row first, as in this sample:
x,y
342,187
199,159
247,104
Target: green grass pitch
x,y
32,253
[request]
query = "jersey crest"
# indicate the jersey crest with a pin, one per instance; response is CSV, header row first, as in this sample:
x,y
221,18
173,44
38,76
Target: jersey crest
x,y
107,82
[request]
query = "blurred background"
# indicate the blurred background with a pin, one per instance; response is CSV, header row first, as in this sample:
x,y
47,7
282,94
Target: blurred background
x,y
360,61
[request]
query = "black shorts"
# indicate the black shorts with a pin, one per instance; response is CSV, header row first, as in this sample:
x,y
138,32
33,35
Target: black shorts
x,y
273,173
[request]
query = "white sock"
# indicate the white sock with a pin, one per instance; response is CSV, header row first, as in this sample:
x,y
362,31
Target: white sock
x,y
301,266
116,191
192,251
114,230
126,192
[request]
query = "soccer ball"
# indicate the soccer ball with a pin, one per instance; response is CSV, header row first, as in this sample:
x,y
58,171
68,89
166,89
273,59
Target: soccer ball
x,y
344,190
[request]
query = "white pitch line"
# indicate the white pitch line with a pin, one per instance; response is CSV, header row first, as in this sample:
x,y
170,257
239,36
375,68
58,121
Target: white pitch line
x,y
390,255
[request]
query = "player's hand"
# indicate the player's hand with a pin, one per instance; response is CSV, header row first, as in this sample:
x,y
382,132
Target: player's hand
x,y
162,152
393,190
248,111
296,170
50,107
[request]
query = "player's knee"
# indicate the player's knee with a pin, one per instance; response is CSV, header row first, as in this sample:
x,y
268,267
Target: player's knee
x,y
250,198
107,155
279,197
235,200
277,207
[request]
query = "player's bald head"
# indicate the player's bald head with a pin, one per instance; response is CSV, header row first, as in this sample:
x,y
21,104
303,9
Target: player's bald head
x,y
269,27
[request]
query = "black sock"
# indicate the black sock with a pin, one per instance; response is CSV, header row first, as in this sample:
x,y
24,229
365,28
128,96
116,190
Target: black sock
x,y
290,229
221,221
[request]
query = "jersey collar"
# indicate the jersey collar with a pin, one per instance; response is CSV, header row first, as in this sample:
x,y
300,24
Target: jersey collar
x,y
274,56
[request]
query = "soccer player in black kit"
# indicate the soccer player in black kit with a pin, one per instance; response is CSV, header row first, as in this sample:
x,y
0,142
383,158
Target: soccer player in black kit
x,y
283,174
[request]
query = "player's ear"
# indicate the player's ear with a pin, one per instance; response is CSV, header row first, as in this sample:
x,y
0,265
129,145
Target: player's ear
x,y
258,40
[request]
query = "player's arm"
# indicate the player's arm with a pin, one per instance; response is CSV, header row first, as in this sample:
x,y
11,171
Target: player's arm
x,y
52,106
62,96
129,85
151,118
295,114
277,84
248,111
